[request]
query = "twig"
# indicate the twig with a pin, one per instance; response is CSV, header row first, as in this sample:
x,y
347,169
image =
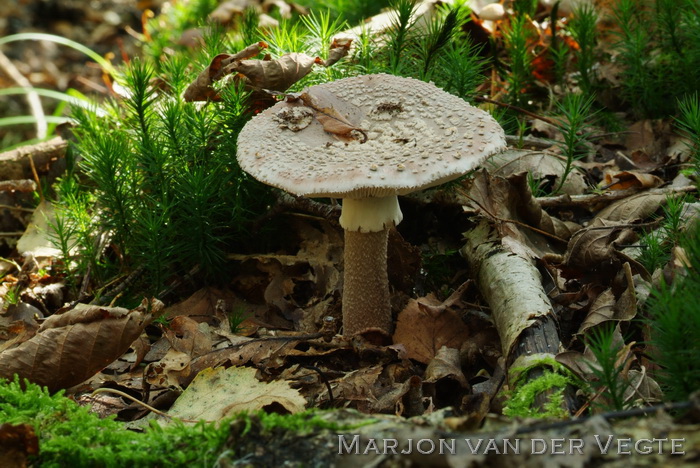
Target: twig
x,y
595,198
32,97
21,185
135,400
16,208
517,109
324,379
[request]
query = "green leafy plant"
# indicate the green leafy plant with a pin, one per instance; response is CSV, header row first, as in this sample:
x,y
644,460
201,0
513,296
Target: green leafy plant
x,y
657,245
674,323
438,34
659,50
525,7
689,124
236,318
583,30
575,113
399,35
524,390
69,434
46,124
517,44
609,383
158,177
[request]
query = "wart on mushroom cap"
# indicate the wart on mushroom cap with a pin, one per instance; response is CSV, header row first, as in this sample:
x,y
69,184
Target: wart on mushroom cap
x,y
415,136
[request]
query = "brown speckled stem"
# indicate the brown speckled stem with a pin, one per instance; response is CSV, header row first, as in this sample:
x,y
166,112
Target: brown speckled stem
x,y
366,304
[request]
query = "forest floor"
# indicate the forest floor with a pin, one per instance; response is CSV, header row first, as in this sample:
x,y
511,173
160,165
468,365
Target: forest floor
x,y
433,394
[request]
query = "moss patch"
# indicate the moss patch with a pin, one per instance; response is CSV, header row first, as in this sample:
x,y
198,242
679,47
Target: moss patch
x,y
554,379
70,435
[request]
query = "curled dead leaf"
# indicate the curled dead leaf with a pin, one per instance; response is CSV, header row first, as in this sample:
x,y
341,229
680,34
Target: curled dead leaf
x,y
328,112
598,244
630,179
274,75
426,325
634,208
73,346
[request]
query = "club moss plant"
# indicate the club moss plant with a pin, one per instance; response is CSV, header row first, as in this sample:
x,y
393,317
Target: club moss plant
x,y
659,50
673,319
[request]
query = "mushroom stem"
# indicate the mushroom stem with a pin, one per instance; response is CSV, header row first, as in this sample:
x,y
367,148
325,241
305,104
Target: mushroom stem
x,y
366,303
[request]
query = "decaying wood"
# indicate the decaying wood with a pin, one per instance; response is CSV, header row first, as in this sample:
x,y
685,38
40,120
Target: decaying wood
x,y
520,308
596,199
21,185
42,154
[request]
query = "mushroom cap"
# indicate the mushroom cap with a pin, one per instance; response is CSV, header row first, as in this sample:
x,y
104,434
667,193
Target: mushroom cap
x,y
417,136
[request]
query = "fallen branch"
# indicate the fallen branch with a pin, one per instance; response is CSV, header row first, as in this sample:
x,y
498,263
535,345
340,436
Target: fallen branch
x,y
520,308
595,199
41,154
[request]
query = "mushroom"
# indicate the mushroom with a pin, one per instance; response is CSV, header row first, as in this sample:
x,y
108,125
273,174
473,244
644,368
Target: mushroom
x,y
394,136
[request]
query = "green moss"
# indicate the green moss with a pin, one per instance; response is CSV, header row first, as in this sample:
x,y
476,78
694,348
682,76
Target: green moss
x,y
522,397
70,435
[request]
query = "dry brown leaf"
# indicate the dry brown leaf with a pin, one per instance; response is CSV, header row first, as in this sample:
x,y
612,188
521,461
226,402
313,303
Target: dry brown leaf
x,y
607,307
426,325
275,75
332,113
358,385
17,444
633,208
73,346
260,76
270,352
446,365
392,399
540,164
201,305
226,11
597,244
642,387
171,371
630,179
511,199
200,89
185,336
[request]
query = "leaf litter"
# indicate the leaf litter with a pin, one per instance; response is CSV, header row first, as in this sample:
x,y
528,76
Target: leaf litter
x,y
278,355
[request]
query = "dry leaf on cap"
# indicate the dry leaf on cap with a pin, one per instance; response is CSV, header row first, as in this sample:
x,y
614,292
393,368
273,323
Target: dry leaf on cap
x,y
218,393
72,347
326,110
